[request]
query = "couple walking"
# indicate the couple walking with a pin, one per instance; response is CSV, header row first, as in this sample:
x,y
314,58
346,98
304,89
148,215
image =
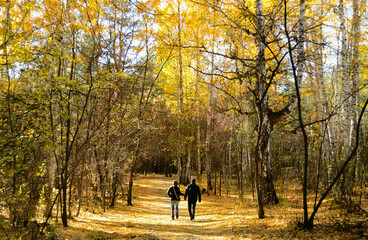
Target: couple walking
x,y
192,192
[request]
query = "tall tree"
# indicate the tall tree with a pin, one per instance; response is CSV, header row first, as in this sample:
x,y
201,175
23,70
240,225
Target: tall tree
x,y
260,68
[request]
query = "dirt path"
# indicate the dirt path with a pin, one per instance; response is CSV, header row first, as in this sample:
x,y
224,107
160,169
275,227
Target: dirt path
x,y
216,218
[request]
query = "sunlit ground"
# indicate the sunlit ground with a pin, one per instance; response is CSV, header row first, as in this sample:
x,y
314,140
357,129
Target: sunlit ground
x,y
216,218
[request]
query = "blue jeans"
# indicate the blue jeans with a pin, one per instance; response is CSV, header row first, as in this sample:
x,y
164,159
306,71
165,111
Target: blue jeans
x,y
174,205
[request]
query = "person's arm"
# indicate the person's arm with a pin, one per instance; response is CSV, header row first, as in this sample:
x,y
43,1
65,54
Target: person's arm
x,y
199,194
186,194
180,193
169,192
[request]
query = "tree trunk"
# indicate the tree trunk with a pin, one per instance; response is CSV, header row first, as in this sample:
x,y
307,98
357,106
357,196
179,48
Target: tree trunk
x,y
266,187
68,144
189,162
298,83
50,176
220,183
229,166
130,188
240,171
131,177
64,214
65,173
355,67
215,191
262,106
180,99
345,87
80,185
104,171
208,157
180,165
258,191
310,222
132,171
114,188
197,104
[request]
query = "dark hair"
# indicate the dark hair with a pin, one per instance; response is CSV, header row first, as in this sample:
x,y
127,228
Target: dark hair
x,y
193,180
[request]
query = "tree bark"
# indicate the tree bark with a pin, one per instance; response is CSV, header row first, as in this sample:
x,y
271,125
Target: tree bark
x,y
345,82
198,126
264,130
130,188
310,221
189,162
298,83
355,67
180,99
65,174
132,172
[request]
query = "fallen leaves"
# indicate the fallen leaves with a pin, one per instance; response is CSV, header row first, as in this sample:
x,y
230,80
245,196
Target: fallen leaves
x,y
216,218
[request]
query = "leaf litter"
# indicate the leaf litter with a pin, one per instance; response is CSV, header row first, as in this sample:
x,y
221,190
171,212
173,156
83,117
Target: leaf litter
x,y
217,217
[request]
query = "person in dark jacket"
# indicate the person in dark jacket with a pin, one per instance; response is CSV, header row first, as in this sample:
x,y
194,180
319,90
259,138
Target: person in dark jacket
x,y
193,193
174,193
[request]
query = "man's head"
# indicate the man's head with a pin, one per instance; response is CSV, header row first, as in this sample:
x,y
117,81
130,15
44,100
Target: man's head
x,y
193,180
175,183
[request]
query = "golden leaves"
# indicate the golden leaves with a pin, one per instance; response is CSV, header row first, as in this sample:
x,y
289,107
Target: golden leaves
x,y
216,218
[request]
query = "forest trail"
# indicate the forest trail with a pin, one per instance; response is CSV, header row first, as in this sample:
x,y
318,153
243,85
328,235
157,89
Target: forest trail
x,y
216,218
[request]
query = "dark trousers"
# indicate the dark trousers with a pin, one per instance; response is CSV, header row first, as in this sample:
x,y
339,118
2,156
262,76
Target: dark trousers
x,y
191,208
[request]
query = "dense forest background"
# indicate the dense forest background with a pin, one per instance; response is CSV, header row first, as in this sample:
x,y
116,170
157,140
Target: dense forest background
x,y
239,93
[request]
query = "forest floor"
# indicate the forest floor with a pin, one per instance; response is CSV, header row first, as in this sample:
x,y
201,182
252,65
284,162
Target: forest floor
x,y
216,218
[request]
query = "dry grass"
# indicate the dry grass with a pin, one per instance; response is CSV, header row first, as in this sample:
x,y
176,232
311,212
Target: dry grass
x,y
216,218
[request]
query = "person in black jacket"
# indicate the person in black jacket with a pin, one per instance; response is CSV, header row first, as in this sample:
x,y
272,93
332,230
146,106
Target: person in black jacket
x,y
174,193
193,193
